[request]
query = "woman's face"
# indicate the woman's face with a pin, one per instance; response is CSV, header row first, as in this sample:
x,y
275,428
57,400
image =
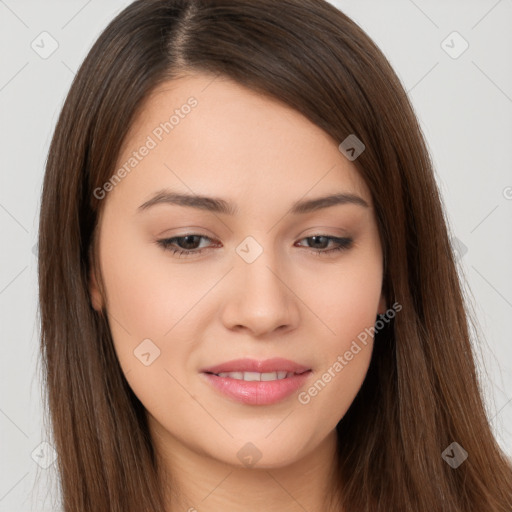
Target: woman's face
x,y
263,279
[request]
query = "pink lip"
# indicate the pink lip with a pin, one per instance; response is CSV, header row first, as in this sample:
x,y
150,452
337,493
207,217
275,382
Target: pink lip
x,y
257,392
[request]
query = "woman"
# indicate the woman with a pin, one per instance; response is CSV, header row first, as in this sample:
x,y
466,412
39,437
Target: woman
x,y
248,295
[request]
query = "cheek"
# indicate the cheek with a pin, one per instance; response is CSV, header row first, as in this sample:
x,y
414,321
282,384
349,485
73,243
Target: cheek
x,y
157,314
346,302
147,293
345,359
151,317
346,297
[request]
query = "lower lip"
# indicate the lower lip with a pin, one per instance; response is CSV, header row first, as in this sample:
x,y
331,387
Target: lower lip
x,y
258,392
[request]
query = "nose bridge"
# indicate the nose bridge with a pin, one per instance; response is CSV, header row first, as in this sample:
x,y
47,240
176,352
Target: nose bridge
x,y
261,301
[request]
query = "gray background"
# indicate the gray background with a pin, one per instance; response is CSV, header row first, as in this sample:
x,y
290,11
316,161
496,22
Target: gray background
x,y
465,108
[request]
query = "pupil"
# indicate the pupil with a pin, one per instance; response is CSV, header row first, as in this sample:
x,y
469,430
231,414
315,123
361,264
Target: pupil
x,y
188,241
316,238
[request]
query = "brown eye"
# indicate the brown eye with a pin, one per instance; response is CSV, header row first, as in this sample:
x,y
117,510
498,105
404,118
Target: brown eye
x,y
187,244
324,240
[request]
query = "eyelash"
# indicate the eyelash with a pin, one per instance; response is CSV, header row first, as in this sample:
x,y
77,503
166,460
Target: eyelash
x,y
344,244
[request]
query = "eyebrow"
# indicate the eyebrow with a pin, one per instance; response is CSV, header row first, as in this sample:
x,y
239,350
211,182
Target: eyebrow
x,y
218,205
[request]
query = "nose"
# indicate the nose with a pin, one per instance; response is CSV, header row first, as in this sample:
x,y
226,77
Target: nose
x,y
261,298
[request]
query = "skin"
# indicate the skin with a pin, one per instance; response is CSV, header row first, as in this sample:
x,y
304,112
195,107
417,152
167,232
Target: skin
x,y
204,309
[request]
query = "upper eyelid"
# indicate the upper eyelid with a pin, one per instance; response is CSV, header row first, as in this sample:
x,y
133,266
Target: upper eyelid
x,y
332,238
213,239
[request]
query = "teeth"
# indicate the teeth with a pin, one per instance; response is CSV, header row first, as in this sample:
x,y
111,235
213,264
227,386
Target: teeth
x,y
256,376
250,376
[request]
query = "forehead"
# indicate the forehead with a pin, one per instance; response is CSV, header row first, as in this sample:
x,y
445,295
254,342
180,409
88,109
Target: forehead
x,y
210,135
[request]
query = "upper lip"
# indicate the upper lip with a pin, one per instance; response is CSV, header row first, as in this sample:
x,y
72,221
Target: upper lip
x,y
252,365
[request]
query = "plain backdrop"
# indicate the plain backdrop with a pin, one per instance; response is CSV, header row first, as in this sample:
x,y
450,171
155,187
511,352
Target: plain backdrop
x,y
454,58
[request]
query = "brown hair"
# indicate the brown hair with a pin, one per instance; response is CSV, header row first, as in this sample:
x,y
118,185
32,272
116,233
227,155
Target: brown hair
x,y
421,392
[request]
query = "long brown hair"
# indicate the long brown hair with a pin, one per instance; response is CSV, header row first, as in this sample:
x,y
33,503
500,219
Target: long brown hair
x,y
421,392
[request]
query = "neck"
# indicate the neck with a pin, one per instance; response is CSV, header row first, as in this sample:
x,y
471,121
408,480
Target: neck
x,y
194,481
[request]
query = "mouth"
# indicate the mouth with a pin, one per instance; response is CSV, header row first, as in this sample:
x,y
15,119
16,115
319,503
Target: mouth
x,y
253,382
